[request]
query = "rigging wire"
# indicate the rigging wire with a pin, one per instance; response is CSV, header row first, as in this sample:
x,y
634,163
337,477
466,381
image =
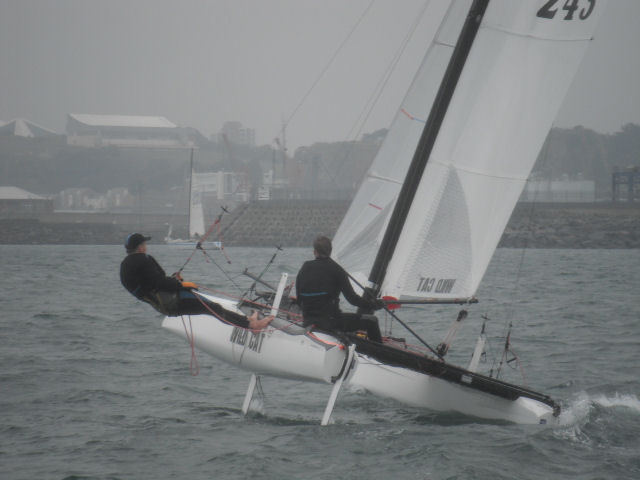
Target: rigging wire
x,y
264,270
375,94
384,80
199,246
226,274
369,106
516,284
395,317
326,67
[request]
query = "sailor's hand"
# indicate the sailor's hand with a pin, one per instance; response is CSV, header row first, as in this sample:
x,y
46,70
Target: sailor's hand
x,y
378,304
177,276
189,285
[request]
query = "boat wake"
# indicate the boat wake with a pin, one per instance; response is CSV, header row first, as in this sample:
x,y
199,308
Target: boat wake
x,y
582,409
618,400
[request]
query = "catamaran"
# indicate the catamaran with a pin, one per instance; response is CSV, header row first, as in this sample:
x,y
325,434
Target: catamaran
x,y
428,217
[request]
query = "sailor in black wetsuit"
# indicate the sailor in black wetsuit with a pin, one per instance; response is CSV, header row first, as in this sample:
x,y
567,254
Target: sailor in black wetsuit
x,y
145,279
318,287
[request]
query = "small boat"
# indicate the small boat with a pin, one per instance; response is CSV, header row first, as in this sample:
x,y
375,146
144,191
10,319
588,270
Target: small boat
x,y
430,212
195,217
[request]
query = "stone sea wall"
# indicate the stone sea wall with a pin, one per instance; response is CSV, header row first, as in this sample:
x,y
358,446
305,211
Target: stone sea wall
x,y
35,232
573,226
293,224
297,223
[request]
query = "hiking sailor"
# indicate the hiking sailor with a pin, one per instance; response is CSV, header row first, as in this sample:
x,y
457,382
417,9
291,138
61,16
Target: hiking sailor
x,y
145,279
318,287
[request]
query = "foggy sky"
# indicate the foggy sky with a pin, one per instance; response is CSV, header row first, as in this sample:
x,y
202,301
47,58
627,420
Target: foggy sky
x,y
200,63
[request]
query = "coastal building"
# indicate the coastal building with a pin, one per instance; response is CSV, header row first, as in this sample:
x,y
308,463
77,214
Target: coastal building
x,y
87,130
87,200
18,203
625,185
20,127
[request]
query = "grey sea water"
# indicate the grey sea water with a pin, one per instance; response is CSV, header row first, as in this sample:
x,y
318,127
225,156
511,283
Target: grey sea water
x,y
91,387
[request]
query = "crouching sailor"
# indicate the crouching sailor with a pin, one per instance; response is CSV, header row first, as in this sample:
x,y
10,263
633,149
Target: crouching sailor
x,y
145,279
318,287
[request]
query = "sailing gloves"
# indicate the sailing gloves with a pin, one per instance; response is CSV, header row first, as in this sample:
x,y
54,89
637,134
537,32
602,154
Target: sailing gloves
x,y
177,276
377,304
187,285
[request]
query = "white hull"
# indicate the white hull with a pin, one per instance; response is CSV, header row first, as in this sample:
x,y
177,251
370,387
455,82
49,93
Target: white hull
x,y
287,351
284,351
424,391
193,243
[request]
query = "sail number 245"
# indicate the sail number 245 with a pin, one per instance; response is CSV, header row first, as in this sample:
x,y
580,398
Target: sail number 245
x,y
550,9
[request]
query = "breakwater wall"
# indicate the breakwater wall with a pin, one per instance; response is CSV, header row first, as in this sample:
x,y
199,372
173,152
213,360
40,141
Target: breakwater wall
x,y
291,223
611,225
297,223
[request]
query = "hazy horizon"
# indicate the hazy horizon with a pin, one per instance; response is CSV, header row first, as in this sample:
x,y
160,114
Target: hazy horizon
x,y
200,64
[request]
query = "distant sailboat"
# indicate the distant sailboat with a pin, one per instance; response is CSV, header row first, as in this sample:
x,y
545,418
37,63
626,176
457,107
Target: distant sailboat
x,y
428,216
195,216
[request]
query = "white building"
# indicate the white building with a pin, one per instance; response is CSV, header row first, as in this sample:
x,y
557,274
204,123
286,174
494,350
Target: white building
x,y
221,185
86,199
18,203
20,127
87,130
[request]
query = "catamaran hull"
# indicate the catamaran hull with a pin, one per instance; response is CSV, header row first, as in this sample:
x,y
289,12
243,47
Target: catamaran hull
x,y
279,352
286,350
192,243
321,358
421,390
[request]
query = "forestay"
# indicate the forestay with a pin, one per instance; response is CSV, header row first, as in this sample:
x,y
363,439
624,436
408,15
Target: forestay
x,y
518,71
360,233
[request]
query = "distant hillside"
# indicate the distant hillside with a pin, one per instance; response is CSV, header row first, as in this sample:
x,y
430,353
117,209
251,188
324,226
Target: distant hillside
x,y
48,165
583,153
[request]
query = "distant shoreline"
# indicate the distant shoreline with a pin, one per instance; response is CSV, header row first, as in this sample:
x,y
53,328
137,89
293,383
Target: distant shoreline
x,y
294,224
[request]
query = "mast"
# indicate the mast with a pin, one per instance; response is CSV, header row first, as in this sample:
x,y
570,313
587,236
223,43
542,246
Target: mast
x,y
190,193
426,143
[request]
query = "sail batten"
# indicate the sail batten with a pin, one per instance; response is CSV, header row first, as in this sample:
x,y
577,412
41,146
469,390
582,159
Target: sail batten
x,y
518,69
375,176
482,173
360,234
538,37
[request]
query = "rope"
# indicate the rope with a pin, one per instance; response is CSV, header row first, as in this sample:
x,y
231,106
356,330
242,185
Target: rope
x,y
260,391
194,360
262,306
399,321
204,238
413,333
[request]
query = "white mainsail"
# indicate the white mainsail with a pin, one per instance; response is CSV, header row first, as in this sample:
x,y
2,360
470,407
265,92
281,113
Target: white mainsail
x,y
358,238
518,71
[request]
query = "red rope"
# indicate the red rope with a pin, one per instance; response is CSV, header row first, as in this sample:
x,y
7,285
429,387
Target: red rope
x,y
194,360
213,225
